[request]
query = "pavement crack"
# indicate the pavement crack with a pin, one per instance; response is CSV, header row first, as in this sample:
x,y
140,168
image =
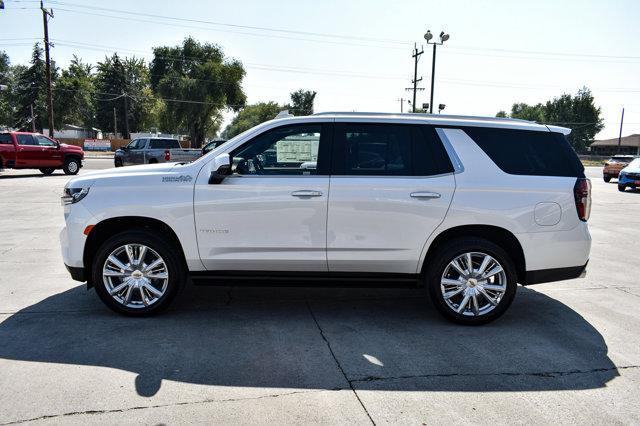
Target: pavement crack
x,y
333,355
547,374
146,407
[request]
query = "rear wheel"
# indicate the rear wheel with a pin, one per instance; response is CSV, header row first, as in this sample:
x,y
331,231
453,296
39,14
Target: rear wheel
x,y
136,273
153,161
471,281
47,171
607,179
71,166
621,188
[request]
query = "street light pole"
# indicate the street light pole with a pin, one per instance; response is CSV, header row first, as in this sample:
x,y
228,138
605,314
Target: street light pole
x,y
443,37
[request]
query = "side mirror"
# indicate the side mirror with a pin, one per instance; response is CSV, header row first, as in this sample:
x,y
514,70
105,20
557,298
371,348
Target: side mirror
x,y
222,168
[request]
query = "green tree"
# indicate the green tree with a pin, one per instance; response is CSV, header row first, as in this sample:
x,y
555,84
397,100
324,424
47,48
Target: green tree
x,y
7,81
31,89
302,102
197,83
123,80
75,95
579,113
251,116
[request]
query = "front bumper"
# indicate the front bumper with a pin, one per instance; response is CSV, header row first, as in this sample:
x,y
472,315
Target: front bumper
x,y
630,182
77,274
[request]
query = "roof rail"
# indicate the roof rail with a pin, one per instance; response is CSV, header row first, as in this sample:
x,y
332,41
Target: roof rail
x,y
418,114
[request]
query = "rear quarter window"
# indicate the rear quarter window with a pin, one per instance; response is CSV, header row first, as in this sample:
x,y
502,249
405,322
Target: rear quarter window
x,y
524,152
5,139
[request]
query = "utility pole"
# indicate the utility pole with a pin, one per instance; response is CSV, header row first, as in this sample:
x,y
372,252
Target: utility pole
x,y
126,116
620,134
401,104
416,80
443,37
115,124
33,120
46,14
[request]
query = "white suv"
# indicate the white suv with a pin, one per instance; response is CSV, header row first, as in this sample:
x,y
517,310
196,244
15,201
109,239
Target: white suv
x,y
467,207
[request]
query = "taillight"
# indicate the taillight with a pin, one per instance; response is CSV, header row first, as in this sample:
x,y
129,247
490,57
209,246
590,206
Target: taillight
x,y
167,155
582,194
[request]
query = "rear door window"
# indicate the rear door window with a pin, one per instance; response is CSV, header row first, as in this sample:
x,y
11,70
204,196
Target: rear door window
x,y
25,140
524,152
5,139
376,149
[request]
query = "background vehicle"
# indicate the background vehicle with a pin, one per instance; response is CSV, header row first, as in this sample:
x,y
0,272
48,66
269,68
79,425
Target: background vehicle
x,y
464,206
154,150
22,150
212,145
630,176
613,166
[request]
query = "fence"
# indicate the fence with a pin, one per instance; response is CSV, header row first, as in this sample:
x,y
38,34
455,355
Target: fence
x,y
115,143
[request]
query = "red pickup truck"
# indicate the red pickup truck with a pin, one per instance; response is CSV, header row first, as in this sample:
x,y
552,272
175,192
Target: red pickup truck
x,y
22,150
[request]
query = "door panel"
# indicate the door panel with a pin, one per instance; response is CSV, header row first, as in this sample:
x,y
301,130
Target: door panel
x,y
50,155
258,223
391,186
271,213
28,152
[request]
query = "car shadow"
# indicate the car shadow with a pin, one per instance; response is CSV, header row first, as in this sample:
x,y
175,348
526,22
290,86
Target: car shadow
x,y
35,175
387,339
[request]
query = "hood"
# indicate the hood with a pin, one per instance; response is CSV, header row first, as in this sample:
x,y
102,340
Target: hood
x,y
128,172
66,147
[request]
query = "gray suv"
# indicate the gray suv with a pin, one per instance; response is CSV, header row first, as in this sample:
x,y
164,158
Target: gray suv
x,y
154,150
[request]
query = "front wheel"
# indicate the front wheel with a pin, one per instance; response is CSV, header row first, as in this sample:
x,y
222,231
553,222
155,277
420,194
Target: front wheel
x,y
137,273
607,179
621,188
71,166
47,171
471,281
117,162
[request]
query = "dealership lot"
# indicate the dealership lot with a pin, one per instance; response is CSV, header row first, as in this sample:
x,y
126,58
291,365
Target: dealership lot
x,y
565,351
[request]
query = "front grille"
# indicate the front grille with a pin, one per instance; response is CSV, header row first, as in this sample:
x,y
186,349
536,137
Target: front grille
x,y
633,175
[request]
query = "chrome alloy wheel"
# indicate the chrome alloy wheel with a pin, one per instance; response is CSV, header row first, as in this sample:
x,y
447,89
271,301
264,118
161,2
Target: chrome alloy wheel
x,y
135,276
72,167
473,284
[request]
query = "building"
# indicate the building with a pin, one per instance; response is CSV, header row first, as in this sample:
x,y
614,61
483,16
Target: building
x,y
69,131
628,145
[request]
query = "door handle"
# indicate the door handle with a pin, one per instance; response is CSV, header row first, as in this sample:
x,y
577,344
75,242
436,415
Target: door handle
x,y
425,195
306,193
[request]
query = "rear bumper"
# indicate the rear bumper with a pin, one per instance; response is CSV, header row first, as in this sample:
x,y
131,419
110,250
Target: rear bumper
x,y
556,274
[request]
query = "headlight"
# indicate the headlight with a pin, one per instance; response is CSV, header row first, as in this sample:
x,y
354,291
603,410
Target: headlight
x,y
73,195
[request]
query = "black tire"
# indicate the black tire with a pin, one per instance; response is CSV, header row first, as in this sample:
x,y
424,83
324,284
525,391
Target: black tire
x,y
47,171
153,161
117,162
166,249
621,188
71,166
447,253
607,179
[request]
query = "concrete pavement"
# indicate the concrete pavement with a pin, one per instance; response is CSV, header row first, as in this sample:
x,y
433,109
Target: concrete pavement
x,y
564,353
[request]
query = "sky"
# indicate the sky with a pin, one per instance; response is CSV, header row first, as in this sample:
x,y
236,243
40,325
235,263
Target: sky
x,y
357,54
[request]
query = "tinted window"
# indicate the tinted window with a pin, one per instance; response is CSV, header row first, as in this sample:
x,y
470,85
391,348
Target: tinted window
x,y
164,144
5,139
44,141
25,140
389,150
290,150
522,152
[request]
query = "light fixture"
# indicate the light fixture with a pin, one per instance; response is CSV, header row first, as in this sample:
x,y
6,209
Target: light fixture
x,y
428,36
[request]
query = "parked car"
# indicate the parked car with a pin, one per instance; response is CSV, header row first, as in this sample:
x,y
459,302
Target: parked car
x,y
212,145
153,150
613,166
466,207
630,176
23,150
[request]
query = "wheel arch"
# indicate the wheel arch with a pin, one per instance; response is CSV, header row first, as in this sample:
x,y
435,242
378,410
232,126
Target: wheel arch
x,y
107,228
497,235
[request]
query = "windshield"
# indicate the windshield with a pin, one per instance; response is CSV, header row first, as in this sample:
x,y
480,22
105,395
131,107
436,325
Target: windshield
x,y
635,164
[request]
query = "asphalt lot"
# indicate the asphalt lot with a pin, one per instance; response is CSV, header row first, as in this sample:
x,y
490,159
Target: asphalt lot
x,y
566,352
